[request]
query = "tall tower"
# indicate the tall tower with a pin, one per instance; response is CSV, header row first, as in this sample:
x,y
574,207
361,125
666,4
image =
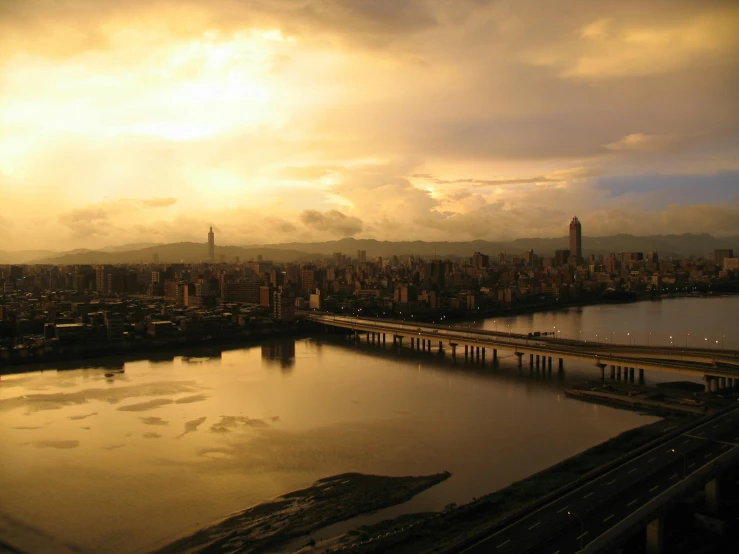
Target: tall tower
x,y
576,238
211,245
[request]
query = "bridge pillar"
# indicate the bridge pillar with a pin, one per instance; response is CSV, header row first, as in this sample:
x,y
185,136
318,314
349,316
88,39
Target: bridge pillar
x,y
495,354
602,368
549,364
561,364
537,362
655,536
428,345
466,351
400,339
631,374
520,358
713,496
641,376
531,360
618,373
440,347
453,346
383,339
722,382
613,372
730,382
707,381
483,355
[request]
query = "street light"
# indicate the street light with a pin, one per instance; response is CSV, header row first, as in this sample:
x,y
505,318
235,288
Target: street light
x,y
685,461
582,527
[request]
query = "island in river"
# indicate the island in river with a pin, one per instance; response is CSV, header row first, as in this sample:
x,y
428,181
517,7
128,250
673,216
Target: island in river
x,y
269,525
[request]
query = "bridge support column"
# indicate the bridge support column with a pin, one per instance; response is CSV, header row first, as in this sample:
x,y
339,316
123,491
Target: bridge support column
x,y
383,339
641,376
561,365
722,382
631,374
714,384
453,346
466,351
549,364
730,382
618,373
613,372
707,381
400,339
713,496
531,360
440,347
483,355
478,353
655,536
602,368
495,355
520,358
428,345
537,362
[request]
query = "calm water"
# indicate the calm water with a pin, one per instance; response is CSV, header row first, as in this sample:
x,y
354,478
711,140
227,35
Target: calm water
x,y
126,461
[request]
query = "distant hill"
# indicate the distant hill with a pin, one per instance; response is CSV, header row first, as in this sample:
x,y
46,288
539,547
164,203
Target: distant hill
x,y
678,245
187,252
191,252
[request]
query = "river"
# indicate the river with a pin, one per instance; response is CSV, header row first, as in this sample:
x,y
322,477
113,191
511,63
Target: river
x,y
124,461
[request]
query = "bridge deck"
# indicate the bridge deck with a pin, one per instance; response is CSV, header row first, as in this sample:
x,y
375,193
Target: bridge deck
x,y
690,361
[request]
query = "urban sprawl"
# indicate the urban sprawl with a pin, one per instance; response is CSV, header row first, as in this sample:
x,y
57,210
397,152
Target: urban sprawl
x,y
50,312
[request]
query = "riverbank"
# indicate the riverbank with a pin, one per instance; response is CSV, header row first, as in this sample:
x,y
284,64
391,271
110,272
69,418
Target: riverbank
x,y
114,358
458,525
668,398
268,526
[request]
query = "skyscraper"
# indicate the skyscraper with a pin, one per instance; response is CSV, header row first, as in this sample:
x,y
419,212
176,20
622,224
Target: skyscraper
x,y
576,238
211,245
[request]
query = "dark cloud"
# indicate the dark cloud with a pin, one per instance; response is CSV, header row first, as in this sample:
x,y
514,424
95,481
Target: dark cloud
x,y
332,221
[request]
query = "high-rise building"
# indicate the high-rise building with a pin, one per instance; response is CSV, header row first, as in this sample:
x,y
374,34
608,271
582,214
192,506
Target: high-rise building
x,y
362,256
720,254
576,238
338,259
211,245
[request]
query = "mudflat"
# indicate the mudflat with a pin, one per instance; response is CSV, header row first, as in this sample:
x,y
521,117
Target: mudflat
x,y
327,501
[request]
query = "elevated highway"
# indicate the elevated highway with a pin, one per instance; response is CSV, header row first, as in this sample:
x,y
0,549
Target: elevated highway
x,y
718,367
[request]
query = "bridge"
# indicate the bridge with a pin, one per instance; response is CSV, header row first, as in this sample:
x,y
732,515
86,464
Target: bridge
x,y
718,367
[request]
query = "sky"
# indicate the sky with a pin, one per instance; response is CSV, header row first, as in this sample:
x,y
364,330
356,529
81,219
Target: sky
x,y
310,120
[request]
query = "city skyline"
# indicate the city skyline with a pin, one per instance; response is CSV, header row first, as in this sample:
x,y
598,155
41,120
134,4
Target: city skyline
x,y
281,123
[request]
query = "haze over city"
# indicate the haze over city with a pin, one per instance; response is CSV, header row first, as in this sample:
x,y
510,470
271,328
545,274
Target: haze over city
x,y
317,120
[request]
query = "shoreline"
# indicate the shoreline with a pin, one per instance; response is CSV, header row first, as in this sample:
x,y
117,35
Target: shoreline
x,y
271,525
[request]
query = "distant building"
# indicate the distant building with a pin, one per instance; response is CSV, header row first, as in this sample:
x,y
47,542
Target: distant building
x,y
211,245
361,256
338,259
480,261
720,254
284,305
576,238
731,264
114,325
561,257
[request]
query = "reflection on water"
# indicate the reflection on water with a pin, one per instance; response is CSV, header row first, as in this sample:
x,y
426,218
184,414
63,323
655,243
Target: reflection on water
x,y
281,352
124,463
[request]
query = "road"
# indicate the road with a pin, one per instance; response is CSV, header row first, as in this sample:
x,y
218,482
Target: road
x,y
583,514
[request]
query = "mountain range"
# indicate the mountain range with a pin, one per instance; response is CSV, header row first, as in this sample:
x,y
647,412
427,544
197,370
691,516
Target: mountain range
x,y
189,252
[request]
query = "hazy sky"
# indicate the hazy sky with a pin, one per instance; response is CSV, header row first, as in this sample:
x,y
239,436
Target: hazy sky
x,y
282,120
